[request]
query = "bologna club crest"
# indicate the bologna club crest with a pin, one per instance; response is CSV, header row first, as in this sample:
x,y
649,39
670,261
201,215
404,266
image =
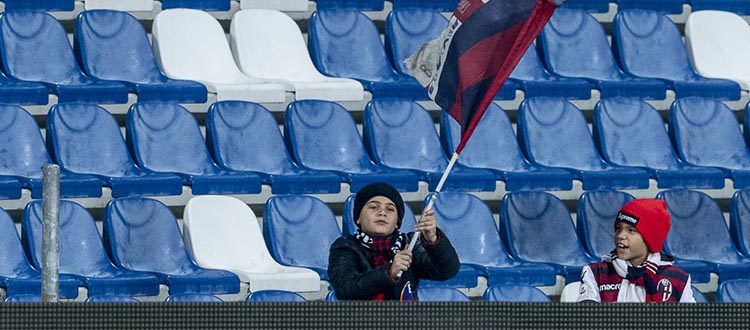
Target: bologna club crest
x,y
664,288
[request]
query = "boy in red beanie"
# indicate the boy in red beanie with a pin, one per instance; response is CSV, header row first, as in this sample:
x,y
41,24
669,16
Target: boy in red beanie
x,y
636,270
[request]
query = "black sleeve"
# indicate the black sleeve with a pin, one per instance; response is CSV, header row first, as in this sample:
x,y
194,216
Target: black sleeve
x,y
348,281
435,261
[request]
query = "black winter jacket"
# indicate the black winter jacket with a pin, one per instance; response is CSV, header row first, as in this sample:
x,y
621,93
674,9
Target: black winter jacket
x,y
351,271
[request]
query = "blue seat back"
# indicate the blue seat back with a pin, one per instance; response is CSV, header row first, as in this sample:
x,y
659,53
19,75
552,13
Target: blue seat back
x,y
733,291
238,133
648,44
698,296
492,145
12,260
538,227
142,234
571,35
514,293
24,298
739,223
663,6
34,47
208,5
331,296
438,5
736,6
322,135
469,225
553,132
164,137
406,29
597,6
299,230
193,297
85,138
274,296
595,219
694,212
375,5
349,221
113,45
345,43
110,299
436,293
530,67
81,249
389,122
22,139
705,132
48,5
623,126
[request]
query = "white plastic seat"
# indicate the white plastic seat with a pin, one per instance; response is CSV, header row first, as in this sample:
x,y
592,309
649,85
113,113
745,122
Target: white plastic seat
x,y
268,45
285,5
122,5
222,232
718,43
190,44
570,292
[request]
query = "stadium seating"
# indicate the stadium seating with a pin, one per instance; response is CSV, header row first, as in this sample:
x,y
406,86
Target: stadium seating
x,y
493,146
538,228
299,230
110,299
438,5
284,58
113,45
22,139
649,45
22,92
193,297
662,6
209,5
388,123
191,44
553,132
331,296
570,292
514,293
370,5
622,127
237,132
345,43
698,296
321,135
705,132
739,221
222,232
24,298
23,36
712,42
699,232
47,5
164,137
85,138
142,234
734,291
284,5
441,294
130,5
572,35
274,296
741,7
468,223
595,6
82,254
535,80
16,274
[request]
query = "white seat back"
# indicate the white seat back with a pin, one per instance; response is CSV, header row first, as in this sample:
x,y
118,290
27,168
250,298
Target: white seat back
x,y
570,292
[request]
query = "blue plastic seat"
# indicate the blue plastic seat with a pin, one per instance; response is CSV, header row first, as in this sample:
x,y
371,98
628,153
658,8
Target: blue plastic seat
x,y
573,35
193,297
649,45
244,136
113,45
16,274
321,135
24,144
741,7
370,5
534,79
699,232
441,294
35,48
595,6
111,299
164,137
82,253
662,6
207,5
24,298
514,293
493,146
47,5
406,29
552,132
739,221
331,296
734,291
698,296
469,224
437,5
274,296
299,230
142,234
623,126
538,228
705,132
389,123
345,43
22,92
85,138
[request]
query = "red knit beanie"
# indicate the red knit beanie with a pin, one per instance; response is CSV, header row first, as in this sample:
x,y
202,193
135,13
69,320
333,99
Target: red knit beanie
x,y
650,218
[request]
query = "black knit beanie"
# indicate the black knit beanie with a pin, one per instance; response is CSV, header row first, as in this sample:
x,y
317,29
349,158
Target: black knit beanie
x,y
378,189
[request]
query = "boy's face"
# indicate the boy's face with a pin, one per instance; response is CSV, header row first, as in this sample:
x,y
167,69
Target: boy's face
x,y
629,244
379,217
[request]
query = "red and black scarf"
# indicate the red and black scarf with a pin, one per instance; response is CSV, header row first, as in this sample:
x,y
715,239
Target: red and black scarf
x,y
382,249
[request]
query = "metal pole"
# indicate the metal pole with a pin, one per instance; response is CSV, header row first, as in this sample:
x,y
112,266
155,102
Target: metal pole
x,y
50,232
